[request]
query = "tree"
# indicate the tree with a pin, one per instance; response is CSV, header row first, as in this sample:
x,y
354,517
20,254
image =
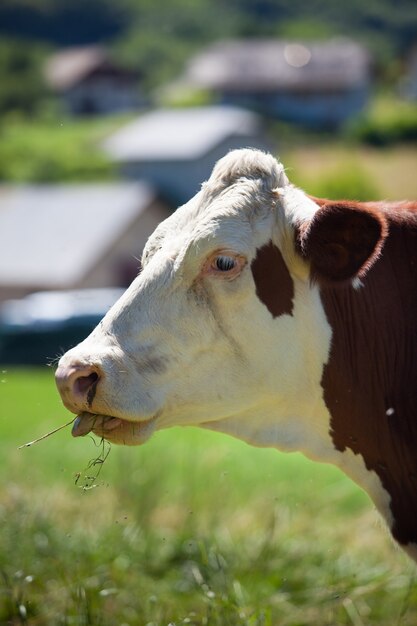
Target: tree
x,y
22,84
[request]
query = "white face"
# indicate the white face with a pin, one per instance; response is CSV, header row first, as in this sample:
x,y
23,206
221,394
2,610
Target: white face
x,y
193,342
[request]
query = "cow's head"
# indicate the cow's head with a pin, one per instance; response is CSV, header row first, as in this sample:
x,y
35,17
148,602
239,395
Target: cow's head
x,y
224,326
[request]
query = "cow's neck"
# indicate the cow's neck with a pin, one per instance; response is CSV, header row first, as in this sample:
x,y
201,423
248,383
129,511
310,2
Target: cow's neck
x,y
370,380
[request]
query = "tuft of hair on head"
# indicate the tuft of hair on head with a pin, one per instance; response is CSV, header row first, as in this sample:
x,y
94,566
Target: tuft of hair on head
x,y
251,164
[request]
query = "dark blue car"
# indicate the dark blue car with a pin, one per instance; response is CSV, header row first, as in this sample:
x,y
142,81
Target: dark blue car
x,y
37,329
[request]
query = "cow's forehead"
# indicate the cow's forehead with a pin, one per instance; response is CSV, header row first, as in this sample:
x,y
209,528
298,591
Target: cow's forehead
x,y
230,217
247,200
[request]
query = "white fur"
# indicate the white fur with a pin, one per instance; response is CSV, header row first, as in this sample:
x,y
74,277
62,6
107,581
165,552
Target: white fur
x,y
298,208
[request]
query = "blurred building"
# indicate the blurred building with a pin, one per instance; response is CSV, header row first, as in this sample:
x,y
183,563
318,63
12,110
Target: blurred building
x,y
176,149
90,82
408,83
74,236
318,84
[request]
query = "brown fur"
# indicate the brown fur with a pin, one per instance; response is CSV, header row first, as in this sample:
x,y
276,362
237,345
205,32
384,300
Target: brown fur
x,y
370,380
274,285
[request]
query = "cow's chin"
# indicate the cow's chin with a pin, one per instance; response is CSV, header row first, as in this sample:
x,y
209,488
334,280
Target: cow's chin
x,y
114,429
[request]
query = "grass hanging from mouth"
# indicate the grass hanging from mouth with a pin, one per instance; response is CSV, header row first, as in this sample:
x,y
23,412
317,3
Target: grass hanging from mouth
x,y
95,465
90,474
51,432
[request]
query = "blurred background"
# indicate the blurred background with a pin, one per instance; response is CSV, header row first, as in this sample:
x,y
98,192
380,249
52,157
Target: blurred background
x,y
112,113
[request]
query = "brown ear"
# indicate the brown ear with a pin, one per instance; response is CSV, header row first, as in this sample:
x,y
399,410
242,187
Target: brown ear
x,y
342,240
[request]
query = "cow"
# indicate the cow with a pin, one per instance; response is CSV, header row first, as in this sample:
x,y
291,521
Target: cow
x,y
285,320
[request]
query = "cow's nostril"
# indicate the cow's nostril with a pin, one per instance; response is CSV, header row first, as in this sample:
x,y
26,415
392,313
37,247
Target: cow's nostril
x,y
84,384
77,384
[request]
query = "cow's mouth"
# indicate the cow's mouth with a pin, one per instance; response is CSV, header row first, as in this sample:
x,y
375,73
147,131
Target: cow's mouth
x,y
115,429
86,422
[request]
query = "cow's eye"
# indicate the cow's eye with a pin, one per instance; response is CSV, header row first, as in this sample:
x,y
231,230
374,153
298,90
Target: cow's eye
x,y
225,263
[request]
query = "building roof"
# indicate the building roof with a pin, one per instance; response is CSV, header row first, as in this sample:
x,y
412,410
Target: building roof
x,y
276,64
50,236
69,67
179,134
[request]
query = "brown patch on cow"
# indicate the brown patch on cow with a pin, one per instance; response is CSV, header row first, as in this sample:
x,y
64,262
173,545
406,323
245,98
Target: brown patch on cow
x,y
274,285
370,380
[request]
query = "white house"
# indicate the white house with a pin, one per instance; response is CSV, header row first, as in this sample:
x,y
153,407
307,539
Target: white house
x,y
318,84
89,81
175,149
74,236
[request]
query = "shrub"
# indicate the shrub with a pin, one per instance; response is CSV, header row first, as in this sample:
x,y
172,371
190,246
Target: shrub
x,y
345,181
22,83
53,151
387,123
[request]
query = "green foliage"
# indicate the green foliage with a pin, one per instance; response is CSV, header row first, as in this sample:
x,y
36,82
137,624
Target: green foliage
x,y
192,528
309,29
22,84
346,181
183,97
346,176
52,151
160,58
387,122
162,36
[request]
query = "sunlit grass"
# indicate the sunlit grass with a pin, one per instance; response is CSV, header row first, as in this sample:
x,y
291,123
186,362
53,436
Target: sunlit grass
x,y
57,150
387,174
192,528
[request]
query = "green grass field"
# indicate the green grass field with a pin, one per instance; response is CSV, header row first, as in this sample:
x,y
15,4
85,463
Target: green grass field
x,y
192,528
